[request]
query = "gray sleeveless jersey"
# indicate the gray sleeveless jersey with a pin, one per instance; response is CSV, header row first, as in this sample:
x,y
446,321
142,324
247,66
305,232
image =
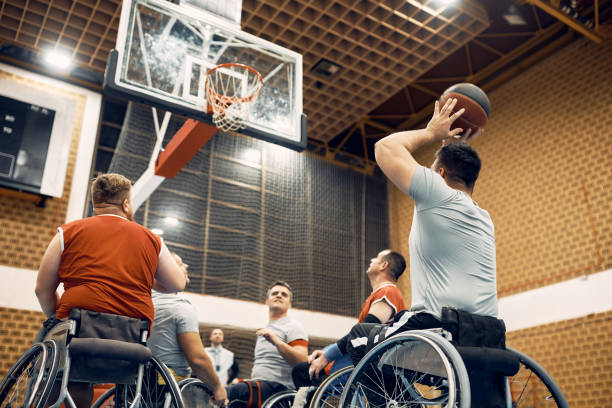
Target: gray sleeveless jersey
x,y
452,249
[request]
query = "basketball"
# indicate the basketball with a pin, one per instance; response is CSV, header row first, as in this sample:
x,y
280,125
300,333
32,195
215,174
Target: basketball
x,y
476,104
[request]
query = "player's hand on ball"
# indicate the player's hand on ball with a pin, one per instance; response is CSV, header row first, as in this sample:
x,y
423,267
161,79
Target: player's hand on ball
x,y
442,120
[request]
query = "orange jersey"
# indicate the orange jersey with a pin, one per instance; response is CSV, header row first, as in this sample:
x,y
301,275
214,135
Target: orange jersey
x,y
107,265
388,293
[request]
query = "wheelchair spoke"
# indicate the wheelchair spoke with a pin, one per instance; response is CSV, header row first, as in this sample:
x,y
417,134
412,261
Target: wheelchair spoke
x,y
529,390
328,394
408,372
25,384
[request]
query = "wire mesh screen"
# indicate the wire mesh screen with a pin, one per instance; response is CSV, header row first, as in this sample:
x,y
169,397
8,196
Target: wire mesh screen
x,y
244,213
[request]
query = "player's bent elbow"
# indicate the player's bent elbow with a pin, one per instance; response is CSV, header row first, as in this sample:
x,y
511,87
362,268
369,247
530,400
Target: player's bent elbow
x,y
381,150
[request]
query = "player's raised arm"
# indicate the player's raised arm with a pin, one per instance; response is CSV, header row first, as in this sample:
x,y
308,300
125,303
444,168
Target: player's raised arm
x,y
394,153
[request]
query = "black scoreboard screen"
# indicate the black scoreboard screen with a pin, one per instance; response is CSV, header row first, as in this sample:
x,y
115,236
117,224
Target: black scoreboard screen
x,y
25,132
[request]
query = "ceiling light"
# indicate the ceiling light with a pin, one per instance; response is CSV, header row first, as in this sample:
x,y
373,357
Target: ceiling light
x,y
439,3
57,59
157,231
171,221
252,155
513,16
326,68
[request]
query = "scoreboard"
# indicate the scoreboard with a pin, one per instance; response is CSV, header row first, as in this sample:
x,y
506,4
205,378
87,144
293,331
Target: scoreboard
x,y
25,133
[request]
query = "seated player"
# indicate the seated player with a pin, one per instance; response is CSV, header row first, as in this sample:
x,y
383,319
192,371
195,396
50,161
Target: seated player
x,y
381,306
452,242
282,344
175,339
107,263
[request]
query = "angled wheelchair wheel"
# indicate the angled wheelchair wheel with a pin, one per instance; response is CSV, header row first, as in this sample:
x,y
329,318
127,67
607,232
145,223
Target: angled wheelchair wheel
x,y
283,399
29,382
159,389
328,393
532,386
195,394
406,370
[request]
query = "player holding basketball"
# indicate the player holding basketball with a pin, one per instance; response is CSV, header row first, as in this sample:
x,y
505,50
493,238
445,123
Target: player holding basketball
x,y
452,243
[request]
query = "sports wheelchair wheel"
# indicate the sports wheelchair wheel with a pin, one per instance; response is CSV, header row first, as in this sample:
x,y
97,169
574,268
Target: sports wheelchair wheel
x,y
328,393
159,389
283,399
411,369
29,382
195,393
532,386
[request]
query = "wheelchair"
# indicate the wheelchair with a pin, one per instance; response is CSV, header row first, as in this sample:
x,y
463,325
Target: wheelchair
x,y
422,368
194,394
94,348
326,395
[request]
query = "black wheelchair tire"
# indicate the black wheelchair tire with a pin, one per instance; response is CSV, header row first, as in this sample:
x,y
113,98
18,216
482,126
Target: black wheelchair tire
x,y
321,389
283,399
555,392
43,359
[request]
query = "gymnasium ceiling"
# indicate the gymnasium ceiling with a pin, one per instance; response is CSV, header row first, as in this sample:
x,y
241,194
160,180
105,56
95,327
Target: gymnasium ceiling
x,y
395,57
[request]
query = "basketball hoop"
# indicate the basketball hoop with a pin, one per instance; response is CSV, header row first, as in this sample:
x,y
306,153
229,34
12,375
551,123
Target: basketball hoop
x,y
231,90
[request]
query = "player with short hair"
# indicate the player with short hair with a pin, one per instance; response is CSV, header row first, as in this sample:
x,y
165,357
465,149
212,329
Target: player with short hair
x,y
282,344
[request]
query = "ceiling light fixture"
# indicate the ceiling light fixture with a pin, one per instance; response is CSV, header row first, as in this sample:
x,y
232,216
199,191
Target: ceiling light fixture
x,y
326,68
252,155
513,16
171,221
439,3
57,59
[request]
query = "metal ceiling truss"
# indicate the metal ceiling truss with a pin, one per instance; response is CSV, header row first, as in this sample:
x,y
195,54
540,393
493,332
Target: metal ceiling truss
x,y
542,43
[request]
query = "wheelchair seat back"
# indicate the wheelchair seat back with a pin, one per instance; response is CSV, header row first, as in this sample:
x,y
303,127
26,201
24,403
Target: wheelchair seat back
x,y
107,348
481,342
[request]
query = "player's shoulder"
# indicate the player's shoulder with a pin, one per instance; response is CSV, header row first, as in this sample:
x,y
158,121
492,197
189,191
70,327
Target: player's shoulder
x,y
293,325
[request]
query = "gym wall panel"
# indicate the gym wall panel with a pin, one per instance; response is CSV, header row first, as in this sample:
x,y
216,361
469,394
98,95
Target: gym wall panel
x,y
577,353
18,328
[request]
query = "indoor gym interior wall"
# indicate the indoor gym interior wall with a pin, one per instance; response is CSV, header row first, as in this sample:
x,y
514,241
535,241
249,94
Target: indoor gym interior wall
x,y
26,229
545,181
25,232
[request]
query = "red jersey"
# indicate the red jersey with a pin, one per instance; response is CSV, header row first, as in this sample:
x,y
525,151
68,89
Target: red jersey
x,y
388,293
107,265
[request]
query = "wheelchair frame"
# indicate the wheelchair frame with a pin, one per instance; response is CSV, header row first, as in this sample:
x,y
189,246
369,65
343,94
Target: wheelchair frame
x,y
43,361
437,339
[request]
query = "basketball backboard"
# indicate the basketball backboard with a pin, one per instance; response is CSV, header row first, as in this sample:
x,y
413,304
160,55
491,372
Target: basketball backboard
x,y
164,50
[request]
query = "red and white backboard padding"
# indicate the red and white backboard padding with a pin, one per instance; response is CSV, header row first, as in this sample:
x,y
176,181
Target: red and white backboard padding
x,y
164,51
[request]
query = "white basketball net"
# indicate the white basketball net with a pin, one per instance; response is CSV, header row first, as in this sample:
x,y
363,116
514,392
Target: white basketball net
x,y
231,90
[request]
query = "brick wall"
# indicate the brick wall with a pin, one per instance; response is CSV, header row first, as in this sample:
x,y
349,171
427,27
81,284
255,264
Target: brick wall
x,y
574,352
546,182
17,331
25,229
